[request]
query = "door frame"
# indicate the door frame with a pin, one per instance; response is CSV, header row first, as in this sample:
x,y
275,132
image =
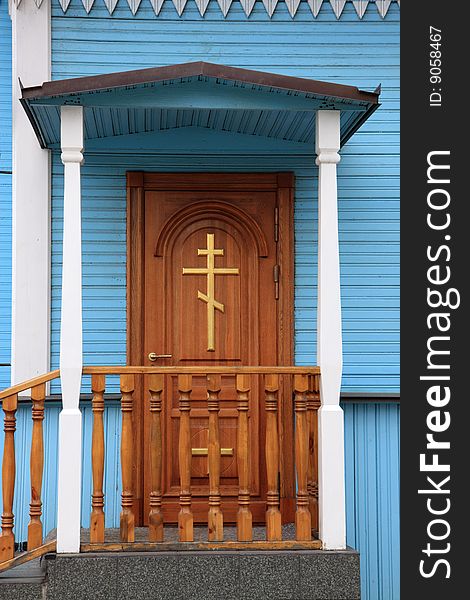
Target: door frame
x,y
137,183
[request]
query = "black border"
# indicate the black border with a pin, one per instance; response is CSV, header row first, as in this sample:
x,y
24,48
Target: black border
x,y
425,129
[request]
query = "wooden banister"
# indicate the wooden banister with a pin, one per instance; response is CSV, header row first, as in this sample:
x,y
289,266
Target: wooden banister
x,y
303,527
244,516
185,516
97,460
273,514
313,404
27,385
38,396
306,403
248,370
215,522
156,450
7,538
127,524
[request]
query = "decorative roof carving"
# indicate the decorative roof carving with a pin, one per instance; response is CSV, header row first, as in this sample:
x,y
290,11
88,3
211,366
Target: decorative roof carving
x,y
111,5
361,7
201,5
337,6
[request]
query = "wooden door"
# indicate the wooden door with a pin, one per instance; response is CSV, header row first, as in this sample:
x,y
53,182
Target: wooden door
x,y
211,295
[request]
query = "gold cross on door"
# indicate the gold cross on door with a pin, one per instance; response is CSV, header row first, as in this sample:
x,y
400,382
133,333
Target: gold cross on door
x,y
211,271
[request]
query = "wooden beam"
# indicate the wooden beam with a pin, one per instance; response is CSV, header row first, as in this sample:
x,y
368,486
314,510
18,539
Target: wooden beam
x,y
21,387
206,370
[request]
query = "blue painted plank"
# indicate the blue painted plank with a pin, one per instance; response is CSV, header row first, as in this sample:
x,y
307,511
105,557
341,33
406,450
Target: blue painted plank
x,y
5,194
112,481
371,475
372,445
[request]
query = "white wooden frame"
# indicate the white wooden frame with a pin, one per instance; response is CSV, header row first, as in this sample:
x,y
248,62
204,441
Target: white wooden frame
x,y
30,351
332,511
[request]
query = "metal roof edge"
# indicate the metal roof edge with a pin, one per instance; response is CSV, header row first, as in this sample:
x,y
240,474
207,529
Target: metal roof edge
x,y
124,79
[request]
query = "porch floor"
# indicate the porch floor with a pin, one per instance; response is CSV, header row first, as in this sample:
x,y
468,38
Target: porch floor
x,y
112,541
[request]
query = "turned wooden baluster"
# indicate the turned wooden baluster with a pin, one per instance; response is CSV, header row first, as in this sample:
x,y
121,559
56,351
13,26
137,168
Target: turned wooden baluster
x,y
215,521
155,513
97,460
185,516
244,516
303,527
38,395
7,539
127,441
313,404
273,514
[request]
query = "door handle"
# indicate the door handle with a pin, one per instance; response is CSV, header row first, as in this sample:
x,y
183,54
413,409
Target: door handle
x,y
153,356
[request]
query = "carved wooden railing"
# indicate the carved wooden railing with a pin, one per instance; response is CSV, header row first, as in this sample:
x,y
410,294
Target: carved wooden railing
x,y
305,391
9,401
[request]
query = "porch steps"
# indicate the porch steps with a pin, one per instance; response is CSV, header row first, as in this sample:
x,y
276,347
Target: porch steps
x,y
24,582
204,575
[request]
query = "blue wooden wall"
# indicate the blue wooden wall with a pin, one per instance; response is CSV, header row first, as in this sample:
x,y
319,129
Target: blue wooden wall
x,y
5,192
360,52
372,462
364,53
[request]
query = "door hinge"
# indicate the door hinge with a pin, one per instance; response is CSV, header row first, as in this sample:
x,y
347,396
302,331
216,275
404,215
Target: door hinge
x,y
276,224
276,271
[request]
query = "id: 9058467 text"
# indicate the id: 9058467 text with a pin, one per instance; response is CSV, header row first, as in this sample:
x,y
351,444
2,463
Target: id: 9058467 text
x,y
435,66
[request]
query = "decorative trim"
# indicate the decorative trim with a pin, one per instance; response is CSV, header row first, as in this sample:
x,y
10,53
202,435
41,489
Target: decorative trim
x,y
88,5
201,5
383,6
179,5
225,6
134,5
338,7
270,6
361,7
292,6
247,6
315,6
111,5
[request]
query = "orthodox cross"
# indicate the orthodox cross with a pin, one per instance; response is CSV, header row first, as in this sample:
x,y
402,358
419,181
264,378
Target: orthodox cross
x,y
211,271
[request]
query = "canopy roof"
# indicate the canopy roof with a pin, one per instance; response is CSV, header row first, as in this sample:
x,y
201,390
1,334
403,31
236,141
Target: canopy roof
x,y
197,94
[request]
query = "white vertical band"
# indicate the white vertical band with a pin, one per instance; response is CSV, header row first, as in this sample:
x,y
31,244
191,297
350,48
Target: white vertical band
x,y
71,361
30,200
329,340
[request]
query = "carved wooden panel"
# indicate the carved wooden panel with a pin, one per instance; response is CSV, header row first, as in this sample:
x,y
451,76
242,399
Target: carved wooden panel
x,y
182,219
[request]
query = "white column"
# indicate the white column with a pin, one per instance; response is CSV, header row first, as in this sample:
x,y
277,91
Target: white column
x,y
329,342
70,420
31,192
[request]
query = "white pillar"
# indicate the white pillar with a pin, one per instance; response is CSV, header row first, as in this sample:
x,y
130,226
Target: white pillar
x,y
70,420
329,342
30,349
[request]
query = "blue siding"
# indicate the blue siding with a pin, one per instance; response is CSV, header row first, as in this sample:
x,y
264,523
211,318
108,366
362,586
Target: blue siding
x,y
112,481
372,451
5,193
360,52
372,490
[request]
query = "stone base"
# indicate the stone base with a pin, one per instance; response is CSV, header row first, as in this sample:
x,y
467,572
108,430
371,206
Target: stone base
x,y
280,575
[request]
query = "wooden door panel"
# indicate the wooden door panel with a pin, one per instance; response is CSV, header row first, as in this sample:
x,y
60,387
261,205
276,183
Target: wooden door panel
x,y
235,318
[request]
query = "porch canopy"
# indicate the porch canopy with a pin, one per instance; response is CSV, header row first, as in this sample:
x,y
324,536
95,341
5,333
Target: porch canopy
x,y
322,116
197,94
